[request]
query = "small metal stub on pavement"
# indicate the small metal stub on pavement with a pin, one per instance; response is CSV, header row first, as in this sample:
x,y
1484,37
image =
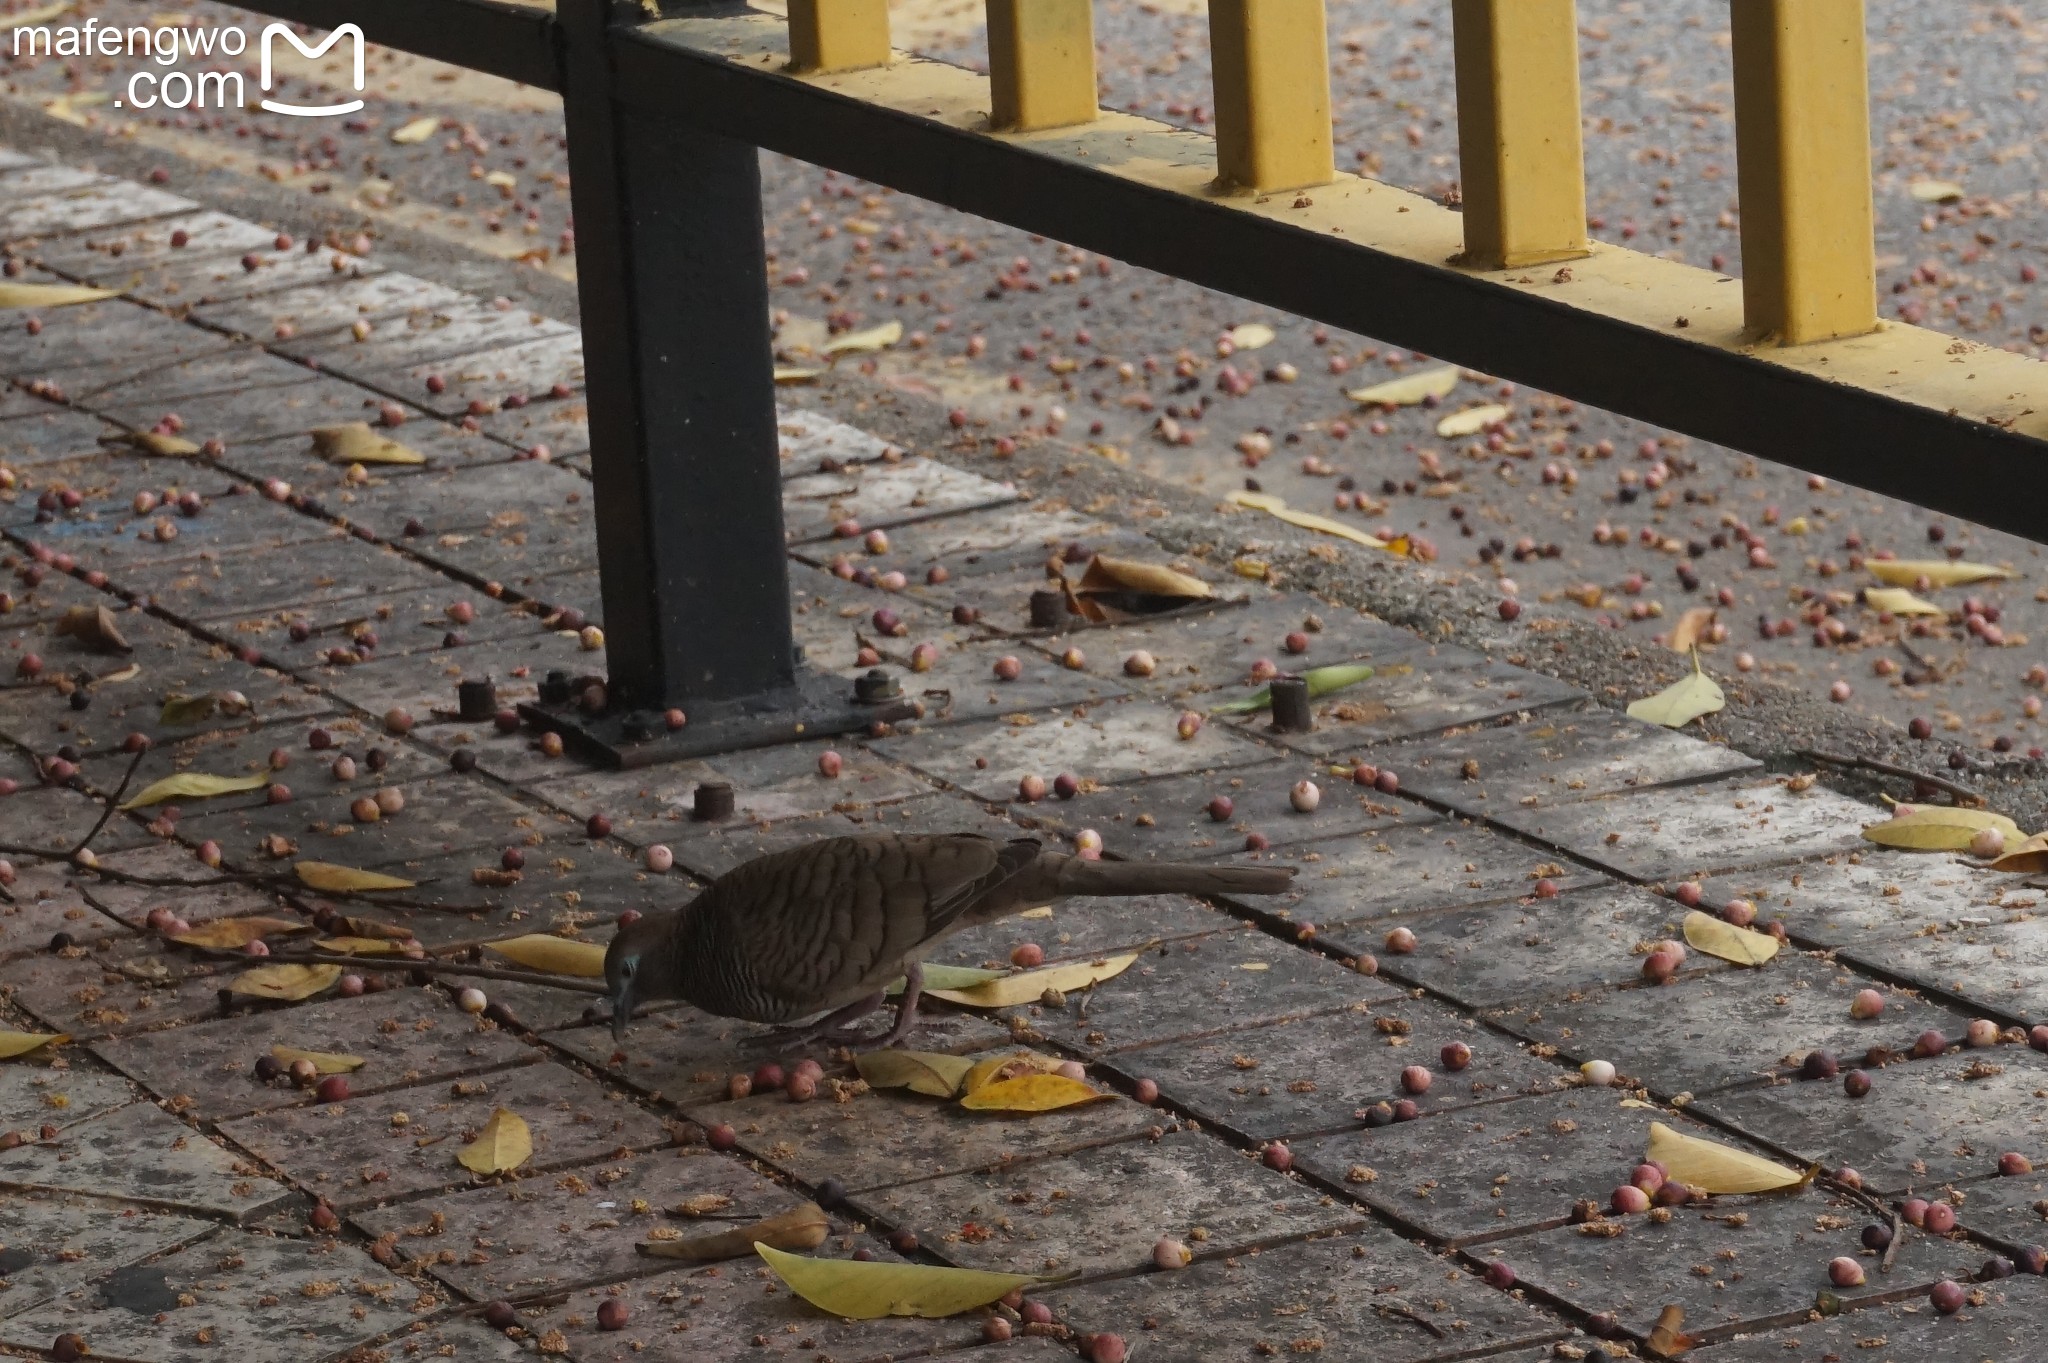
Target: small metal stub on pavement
x,y
712,801
1048,609
476,700
1291,714
876,686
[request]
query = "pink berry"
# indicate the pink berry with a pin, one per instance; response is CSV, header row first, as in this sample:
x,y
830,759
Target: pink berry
x,y
1914,1211
1740,912
1295,642
1941,1218
769,1076
1221,808
1845,1272
612,1314
1417,1079
1647,1176
1929,1043
1499,1275
1948,1297
1688,894
1660,966
1031,789
830,764
2012,1164
800,1087
1146,1091
1456,1056
1400,942
1867,1004
1008,668
1278,1157
721,1136
1982,1032
1027,956
660,859
1107,1348
333,1089
1066,785
1387,783
1628,1199
351,986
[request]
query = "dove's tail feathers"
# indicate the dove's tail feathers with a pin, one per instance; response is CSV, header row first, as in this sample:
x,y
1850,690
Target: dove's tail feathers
x,y
1081,877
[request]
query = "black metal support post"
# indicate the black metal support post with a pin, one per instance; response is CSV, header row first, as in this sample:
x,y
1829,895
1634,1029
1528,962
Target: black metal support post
x,y
673,278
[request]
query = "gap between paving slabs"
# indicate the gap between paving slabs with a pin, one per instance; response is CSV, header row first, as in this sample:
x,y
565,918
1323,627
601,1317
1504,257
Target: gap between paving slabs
x,y
1458,689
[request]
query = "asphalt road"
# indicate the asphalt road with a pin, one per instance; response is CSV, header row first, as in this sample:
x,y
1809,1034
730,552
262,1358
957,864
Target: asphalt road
x,y
1566,510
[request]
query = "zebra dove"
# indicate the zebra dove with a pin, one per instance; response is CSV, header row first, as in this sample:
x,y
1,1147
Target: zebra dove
x,y
828,926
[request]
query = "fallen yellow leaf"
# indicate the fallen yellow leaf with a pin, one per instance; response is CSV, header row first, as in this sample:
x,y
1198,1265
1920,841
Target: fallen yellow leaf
x,y
863,342
1718,937
1935,191
415,132
360,946
506,1142
1682,702
154,442
1408,390
1900,572
1027,986
356,443
1714,1167
232,934
803,1227
2030,856
919,1071
1691,629
50,295
325,875
1939,828
856,1290
287,983
193,785
1251,336
555,955
13,1044
998,1069
790,373
1275,507
1033,1093
324,1062
1471,421
1899,601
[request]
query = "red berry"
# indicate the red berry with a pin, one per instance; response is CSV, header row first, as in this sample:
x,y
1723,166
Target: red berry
x,y
1628,1199
1929,1043
1027,956
1456,1056
499,1315
1221,808
1499,1275
612,1314
1278,1157
333,1089
1948,1297
1417,1079
1941,1218
769,1076
598,826
2013,1164
721,1137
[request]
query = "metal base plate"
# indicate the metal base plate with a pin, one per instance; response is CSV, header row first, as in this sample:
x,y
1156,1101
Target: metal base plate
x,y
817,706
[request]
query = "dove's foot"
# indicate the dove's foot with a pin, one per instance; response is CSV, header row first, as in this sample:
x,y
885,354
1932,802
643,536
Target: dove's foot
x,y
830,1029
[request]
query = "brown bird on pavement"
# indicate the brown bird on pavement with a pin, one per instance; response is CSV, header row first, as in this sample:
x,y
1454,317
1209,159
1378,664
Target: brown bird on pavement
x,y
825,928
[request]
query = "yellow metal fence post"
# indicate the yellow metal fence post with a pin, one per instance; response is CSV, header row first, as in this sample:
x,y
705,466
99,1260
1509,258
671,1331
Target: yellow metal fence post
x,y
1802,143
1272,75
1521,158
1041,63
838,35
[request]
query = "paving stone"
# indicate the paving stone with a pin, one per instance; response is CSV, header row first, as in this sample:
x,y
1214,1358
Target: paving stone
x,y
1350,887
2007,1327
1207,652
54,819
2012,1211
882,495
131,903
653,804
253,1297
342,633
715,853
50,1244
226,369
487,376
458,498
970,544
320,311
549,1236
1924,1122
1400,703
463,1338
142,1154
196,280
1101,1210
29,438
447,330
117,987
1727,1277
1203,985
1874,895
128,549
885,1137
1168,819
809,440
1555,758
1084,928
307,581
424,682
443,814
684,1056
833,619
1109,743
354,1155
34,1094
1361,1296
450,452
77,335
247,752
1694,830
263,414
560,426
2000,969
1482,958
522,544
1268,1082
1494,1171
694,1315
404,1037
51,200
1709,1031
115,254
45,900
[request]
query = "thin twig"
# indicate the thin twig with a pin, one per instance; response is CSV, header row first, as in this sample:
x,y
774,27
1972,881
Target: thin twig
x,y
1394,1308
1888,769
1888,1214
112,803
